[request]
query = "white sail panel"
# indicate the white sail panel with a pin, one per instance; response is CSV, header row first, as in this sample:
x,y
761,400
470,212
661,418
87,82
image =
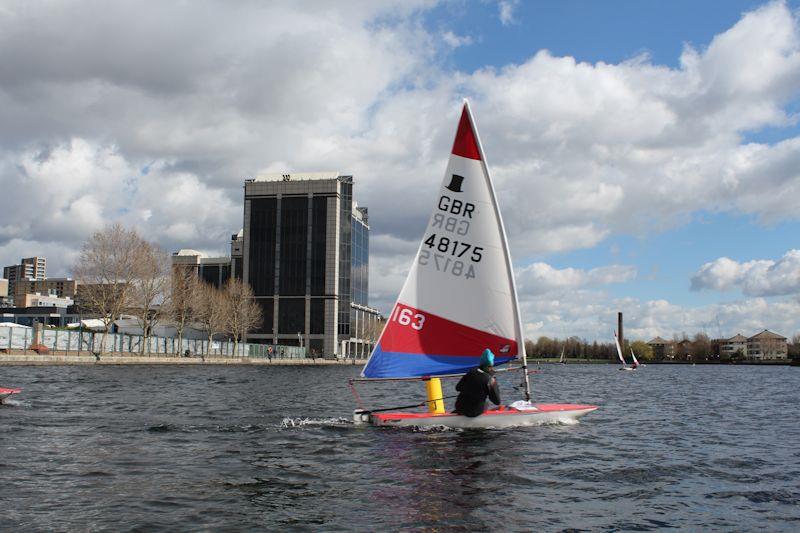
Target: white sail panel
x,y
460,270
459,297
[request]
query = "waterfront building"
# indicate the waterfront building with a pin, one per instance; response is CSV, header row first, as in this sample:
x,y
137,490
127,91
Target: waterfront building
x,y
237,249
44,300
29,268
50,316
3,291
305,253
213,270
662,348
734,347
767,345
59,287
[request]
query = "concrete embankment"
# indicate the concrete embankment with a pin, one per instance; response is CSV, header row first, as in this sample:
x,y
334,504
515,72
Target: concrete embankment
x,y
29,358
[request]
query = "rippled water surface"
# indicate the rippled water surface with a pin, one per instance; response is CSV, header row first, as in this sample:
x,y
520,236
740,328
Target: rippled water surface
x,y
210,448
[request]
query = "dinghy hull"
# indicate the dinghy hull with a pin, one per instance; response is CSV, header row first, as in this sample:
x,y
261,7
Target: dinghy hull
x,y
5,393
503,417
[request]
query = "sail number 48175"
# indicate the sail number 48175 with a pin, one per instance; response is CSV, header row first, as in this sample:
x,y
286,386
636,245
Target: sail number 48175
x,y
407,317
455,248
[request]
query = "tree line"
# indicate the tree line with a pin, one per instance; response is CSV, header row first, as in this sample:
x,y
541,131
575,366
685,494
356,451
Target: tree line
x,y
119,272
577,348
697,348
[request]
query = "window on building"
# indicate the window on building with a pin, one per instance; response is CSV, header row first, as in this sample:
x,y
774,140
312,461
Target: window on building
x,y
317,317
267,313
319,228
261,260
291,316
294,231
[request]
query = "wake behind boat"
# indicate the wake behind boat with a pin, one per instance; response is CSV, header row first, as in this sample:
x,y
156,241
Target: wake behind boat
x,y
459,299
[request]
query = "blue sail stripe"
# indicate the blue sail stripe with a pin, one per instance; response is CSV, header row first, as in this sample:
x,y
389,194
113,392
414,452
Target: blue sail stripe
x,y
400,365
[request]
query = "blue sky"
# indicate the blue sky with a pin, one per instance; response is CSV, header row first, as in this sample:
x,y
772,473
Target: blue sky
x,y
653,148
614,32
592,31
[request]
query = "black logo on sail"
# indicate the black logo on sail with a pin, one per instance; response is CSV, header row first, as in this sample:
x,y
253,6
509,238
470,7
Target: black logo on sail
x,y
455,183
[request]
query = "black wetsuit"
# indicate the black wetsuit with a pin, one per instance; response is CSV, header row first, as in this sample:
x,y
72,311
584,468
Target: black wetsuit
x,y
473,389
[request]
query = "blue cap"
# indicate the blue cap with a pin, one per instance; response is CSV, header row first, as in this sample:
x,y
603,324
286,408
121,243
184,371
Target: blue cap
x,y
487,358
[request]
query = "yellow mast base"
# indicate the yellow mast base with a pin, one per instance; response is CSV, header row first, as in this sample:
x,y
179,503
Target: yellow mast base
x,y
435,401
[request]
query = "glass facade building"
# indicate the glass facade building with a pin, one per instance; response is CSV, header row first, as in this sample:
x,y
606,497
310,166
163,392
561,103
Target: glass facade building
x,y
359,270
305,253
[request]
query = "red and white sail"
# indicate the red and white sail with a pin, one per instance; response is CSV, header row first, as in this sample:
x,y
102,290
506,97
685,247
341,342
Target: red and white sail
x,y
460,297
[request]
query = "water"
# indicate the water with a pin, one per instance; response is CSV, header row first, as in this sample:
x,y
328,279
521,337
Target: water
x,y
146,448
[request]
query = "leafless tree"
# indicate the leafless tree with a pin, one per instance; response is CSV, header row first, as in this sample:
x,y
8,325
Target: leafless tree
x,y
149,288
794,347
105,271
209,306
373,329
242,312
183,285
701,347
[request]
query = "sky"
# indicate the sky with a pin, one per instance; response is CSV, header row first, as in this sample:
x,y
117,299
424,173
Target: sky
x,y
646,155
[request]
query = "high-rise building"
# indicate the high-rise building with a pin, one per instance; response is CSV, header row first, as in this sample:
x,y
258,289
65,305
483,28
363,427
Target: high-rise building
x,y
29,268
304,252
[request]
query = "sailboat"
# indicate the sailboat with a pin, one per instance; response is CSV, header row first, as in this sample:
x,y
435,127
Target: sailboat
x,y
5,393
459,298
561,359
636,363
619,353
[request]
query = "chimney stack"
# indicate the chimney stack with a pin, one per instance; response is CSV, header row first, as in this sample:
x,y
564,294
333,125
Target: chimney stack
x,y
619,332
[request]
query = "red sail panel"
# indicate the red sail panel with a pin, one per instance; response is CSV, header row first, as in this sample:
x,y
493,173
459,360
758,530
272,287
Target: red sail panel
x,y
466,144
416,331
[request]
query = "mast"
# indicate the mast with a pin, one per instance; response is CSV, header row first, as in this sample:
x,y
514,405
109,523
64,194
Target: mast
x,y
509,268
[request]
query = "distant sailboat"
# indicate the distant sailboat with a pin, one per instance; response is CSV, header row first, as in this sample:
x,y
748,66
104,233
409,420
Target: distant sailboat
x,y
636,363
619,353
561,359
5,393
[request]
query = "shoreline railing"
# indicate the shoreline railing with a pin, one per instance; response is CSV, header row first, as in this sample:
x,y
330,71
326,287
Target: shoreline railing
x,y
77,341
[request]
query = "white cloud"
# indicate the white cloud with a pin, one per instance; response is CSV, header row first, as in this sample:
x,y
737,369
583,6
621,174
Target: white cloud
x,y
763,277
592,314
507,8
541,278
455,41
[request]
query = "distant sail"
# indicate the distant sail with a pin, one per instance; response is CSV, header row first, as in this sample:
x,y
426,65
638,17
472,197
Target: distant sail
x,y
619,350
635,361
459,297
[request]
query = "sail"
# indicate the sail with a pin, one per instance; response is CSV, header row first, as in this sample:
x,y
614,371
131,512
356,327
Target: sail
x,y
459,297
635,361
619,350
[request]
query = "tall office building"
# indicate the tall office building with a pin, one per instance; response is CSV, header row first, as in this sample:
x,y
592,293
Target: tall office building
x,y
305,249
29,268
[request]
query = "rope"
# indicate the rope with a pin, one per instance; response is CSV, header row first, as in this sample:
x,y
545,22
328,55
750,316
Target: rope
x,y
408,406
355,393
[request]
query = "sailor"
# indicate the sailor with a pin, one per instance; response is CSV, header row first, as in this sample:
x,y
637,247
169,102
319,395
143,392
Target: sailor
x,y
476,385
